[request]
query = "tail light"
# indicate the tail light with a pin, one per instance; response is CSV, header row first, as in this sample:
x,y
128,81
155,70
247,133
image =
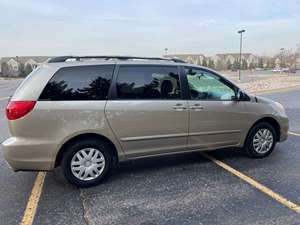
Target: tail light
x,y
18,109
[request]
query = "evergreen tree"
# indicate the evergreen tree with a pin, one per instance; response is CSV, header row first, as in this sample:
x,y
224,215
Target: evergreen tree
x,y
219,65
235,65
260,63
28,69
211,64
228,65
5,69
204,63
244,64
251,66
22,70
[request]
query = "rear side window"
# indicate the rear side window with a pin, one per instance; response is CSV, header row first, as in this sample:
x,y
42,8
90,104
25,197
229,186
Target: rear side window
x,y
79,83
148,82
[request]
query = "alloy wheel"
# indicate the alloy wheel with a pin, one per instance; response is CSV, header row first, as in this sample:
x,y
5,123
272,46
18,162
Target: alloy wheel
x,y
263,141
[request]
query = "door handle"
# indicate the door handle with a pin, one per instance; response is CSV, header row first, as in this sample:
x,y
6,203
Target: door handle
x,y
179,107
197,107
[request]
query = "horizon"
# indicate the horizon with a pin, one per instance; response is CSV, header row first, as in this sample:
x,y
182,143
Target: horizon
x,y
134,28
162,55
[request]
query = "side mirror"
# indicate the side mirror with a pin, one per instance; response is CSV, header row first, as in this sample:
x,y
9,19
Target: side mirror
x,y
234,98
238,96
242,96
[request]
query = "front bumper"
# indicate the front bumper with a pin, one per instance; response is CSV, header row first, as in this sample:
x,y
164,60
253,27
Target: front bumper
x,y
28,154
284,129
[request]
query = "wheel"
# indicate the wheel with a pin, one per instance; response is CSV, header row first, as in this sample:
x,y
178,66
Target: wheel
x,y
261,140
87,162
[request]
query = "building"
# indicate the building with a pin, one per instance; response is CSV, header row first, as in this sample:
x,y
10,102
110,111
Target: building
x,y
191,58
223,61
10,66
220,61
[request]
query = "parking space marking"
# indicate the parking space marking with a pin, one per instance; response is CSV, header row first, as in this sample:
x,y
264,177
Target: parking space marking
x,y
254,183
293,133
33,200
3,98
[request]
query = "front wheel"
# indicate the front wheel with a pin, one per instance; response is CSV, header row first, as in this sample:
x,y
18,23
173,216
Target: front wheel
x,y
86,162
261,140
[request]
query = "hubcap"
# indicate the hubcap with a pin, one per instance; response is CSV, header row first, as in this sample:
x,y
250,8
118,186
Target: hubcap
x,y
263,141
87,164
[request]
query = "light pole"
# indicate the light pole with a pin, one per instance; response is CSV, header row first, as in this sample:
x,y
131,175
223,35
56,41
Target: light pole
x,y
281,58
166,51
240,60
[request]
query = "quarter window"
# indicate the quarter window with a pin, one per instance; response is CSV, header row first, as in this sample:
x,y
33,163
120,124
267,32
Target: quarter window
x,y
79,83
148,82
204,85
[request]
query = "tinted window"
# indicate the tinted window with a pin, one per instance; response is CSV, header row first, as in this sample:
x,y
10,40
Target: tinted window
x,y
148,82
79,83
204,85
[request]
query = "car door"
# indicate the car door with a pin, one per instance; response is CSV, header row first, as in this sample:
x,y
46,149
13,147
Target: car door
x,y
147,112
217,119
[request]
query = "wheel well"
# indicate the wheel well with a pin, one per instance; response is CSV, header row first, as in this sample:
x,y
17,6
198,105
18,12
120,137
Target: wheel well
x,y
272,122
86,136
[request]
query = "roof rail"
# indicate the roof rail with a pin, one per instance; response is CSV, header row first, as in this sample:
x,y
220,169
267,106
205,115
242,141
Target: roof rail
x,y
108,57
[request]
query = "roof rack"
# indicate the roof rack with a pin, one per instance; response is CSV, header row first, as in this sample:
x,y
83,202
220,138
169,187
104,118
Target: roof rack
x,y
109,57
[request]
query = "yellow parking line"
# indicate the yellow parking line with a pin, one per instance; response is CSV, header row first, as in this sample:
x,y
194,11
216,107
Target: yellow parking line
x,y
293,133
255,184
33,200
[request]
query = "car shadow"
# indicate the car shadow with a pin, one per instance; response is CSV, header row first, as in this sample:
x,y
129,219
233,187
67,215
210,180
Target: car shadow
x,y
159,162
145,166
228,153
184,161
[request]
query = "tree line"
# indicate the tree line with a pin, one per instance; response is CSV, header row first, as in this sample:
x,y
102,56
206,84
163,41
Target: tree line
x,y
220,65
23,70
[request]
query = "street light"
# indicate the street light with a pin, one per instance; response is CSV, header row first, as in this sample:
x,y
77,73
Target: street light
x,y
166,51
281,58
240,61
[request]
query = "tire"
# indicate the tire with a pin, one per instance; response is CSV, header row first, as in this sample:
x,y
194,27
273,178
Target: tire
x,y
254,146
96,159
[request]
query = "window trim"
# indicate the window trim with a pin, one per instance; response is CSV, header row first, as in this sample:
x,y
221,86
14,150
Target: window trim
x,y
112,94
223,80
61,68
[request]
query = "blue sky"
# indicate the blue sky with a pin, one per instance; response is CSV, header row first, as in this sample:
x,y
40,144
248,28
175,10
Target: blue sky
x,y
128,27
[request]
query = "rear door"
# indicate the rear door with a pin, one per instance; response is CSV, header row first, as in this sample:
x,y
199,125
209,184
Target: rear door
x,y
216,118
147,112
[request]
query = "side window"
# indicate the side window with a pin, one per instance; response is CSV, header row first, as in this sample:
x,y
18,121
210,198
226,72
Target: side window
x,y
204,85
148,82
79,83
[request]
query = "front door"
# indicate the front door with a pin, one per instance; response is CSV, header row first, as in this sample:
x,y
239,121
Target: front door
x,y
147,113
216,118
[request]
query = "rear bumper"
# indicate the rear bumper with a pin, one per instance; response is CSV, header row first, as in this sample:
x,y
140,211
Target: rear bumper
x,y
28,154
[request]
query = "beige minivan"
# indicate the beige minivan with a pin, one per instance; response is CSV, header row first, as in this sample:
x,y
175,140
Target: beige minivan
x,y
87,113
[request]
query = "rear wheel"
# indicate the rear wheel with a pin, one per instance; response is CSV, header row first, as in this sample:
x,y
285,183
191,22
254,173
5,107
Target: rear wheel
x,y
261,140
86,162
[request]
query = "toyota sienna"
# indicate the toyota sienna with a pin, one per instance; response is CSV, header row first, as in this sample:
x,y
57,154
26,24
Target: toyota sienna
x,y
85,114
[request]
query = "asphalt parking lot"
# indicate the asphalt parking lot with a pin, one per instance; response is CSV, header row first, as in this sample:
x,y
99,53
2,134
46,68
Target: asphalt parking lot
x,y
180,189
